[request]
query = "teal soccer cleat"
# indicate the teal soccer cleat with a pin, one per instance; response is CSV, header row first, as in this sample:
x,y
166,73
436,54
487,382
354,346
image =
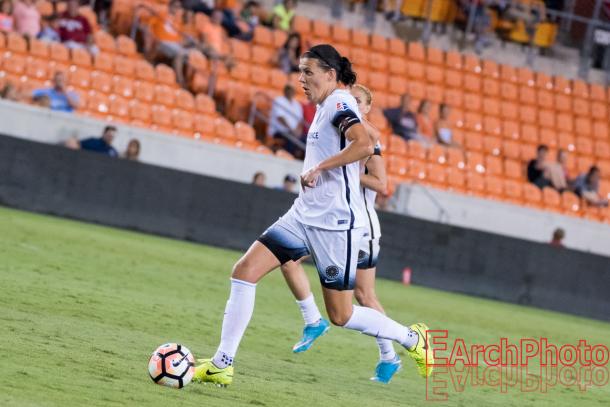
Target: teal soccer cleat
x,y
310,334
386,369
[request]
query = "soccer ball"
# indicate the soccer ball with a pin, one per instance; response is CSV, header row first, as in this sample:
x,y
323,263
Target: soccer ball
x,y
172,365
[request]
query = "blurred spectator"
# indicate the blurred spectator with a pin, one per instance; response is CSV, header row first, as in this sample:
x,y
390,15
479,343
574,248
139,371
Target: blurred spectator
x,y
481,24
102,144
10,92
424,123
27,18
289,184
72,143
537,167
402,119
241,26
215,38
558,235
285,121
442,128
74,29
58,97
309,111
287,57
102,10
259,179
7,23
587,187
283,14
557,172
49,31
133,150
199,6
165,31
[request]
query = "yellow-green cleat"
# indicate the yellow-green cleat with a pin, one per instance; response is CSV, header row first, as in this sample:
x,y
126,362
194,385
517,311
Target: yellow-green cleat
x,y
207,372
422,353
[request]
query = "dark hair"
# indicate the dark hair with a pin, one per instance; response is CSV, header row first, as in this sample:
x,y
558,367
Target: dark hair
x,y
328,58
423,103
542,147
109,128
291,36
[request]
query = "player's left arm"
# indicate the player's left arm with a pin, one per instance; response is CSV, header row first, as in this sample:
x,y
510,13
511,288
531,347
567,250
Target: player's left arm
x,y
376,178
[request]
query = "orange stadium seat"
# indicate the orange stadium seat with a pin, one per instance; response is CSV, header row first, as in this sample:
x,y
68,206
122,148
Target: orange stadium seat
x,y
80,78
124,66
321,30
144,71
80,57
435,75
529,133
563,103
161,118
279,38
602,149
492,145
562,85
456,180
491,107
101,81
378,62
126,47
103,62
379,43
144,91
598,92
508,73
491,87
570,203
600,130
453,60
182,122
118,108
511,150
475,184
417,52
493,165
599,110
548,137
104,41
139,113
340,34
581,107
122,86
263,36
491,69
494,187
532,195
262,55
360,39
509,91
545,99
513,191
435,56
551,198
511,130
164,95
397,47
580,89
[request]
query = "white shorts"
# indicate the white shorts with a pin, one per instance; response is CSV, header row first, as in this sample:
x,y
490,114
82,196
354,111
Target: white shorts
x,y
369,253
335,252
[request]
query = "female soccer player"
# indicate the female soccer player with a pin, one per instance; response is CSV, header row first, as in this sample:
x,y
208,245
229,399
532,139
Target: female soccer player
x,y
373,180
327,221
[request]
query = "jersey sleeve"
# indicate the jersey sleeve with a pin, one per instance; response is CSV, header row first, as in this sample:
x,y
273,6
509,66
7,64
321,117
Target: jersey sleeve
x,y
343,112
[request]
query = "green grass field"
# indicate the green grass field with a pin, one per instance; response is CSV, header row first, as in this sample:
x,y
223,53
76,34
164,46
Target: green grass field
x,y
83,306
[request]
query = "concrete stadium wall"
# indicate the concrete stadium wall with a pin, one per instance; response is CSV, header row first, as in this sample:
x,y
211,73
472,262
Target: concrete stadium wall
x,y
94,188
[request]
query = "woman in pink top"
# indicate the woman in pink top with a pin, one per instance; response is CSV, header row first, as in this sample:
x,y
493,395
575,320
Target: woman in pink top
x,y
6,18
27,18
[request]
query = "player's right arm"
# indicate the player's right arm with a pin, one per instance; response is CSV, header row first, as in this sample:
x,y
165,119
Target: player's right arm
x,y
376,178
359,148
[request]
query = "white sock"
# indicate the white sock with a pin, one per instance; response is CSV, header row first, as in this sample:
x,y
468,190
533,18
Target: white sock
x,y
373,323
237,317
309,310
386,349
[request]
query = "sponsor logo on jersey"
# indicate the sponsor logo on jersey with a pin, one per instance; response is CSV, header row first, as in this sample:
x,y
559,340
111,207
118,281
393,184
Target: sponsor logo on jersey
x,y
341,106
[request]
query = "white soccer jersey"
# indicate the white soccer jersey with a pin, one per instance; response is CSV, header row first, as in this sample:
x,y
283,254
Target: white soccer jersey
x,y
369,196
335,203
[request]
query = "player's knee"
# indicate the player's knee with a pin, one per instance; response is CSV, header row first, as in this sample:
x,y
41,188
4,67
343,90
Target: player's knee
x,y
366,298
243,270
339,317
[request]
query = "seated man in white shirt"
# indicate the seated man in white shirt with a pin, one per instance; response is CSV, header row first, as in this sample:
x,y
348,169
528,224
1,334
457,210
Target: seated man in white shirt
x,y
285,122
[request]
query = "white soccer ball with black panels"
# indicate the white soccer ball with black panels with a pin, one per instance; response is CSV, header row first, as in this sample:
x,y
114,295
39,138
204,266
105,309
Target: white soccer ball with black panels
x,y
172,365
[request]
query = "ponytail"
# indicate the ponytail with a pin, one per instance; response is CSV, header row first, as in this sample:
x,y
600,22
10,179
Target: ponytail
x,y
328,58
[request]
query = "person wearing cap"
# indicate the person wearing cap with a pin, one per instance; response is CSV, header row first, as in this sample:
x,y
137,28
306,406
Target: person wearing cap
x,y
285,121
